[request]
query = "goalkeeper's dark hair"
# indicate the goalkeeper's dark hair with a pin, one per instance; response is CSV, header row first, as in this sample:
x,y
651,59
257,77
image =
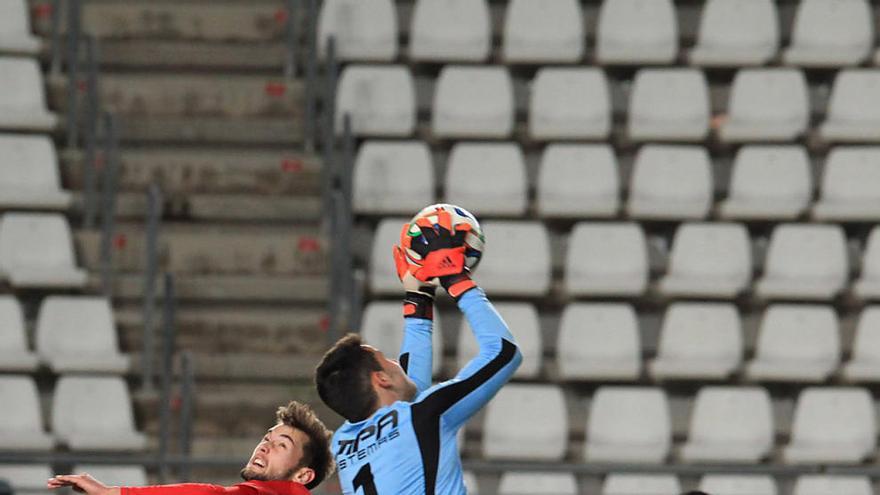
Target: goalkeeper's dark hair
x,y
343,379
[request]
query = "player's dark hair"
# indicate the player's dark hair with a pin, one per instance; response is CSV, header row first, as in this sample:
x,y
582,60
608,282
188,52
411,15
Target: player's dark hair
x,y
343,379
316,453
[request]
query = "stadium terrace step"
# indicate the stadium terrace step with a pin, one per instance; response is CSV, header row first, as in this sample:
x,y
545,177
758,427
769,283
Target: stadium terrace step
x,y
159,55
208,171
225,288
191,95
194,249
284,131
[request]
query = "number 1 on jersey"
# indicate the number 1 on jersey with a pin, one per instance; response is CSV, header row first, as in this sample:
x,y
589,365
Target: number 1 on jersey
x,y
364,479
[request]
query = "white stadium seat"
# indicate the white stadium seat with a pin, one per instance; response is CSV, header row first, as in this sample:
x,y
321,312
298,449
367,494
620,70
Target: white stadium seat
x,y
537,483
738,484
670,182
599,341
712,259
868,284
363,29
824,484
520,260
473,102
23,99
636,32
36,251
77,334
804,261
606,259
115,475
15,29
768,182
849,185
21,418
522,318
797,343
14,352
26,478
382,328
94,413
569,103
29,176
854,108
640,484
832,425
736,33
470,481
533,415
544,32
628,425
766,105
383,274
865,363
698,341
473,165
730,425
830,33
379,99
669,105
450,30
578,180
393,177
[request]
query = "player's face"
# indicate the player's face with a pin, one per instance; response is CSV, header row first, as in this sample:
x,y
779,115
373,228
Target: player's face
x,y
401,383
277,456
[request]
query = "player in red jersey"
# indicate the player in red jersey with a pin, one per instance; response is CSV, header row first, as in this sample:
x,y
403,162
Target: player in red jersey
x,y
292,457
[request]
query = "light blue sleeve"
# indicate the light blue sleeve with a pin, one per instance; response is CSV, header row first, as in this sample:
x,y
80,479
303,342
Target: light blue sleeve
x,y
416,353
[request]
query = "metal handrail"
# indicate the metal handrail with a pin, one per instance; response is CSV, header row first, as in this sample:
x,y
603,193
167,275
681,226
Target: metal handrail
x,y
108,207
154,216
72,55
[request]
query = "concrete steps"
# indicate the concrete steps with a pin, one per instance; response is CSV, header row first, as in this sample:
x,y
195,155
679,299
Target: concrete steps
x,y
278,131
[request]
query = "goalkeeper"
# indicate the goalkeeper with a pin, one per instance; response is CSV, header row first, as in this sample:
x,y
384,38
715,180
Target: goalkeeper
x,y
400,433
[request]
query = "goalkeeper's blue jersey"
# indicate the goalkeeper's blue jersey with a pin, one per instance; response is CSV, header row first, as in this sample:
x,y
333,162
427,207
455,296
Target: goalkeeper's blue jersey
x,y
410,448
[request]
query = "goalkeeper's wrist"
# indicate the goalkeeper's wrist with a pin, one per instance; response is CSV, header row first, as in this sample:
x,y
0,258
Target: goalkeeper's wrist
x,y
456,285
419,304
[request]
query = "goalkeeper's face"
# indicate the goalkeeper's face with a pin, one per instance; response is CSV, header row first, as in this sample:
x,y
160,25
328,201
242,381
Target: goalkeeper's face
x,y
397,380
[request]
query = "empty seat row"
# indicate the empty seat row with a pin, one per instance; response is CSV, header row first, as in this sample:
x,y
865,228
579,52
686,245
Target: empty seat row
x,y
698,341
36,251
31,478
806,262
470,102
73,334
831,425
88,413
826,33
668,182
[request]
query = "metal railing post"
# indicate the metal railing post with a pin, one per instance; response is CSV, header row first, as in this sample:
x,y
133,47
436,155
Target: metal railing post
x,y
187,393
337,303
93,106
311,76
55,49
168,325
111,165
73,34
330,169
292,42
346,164
154,214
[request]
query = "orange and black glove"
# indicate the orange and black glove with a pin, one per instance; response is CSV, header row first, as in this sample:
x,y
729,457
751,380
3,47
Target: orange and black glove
x,y
442,250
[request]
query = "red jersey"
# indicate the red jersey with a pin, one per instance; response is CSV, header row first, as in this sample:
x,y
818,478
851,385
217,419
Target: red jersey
x,y
246,488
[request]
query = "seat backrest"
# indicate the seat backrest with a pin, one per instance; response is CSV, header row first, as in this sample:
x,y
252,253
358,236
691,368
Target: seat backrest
x,y
640,484
732,415
769,95
578,178
636,23
537,483
798,332
851,174
826,484
382,328
598,331
76,324
22,84
393,177
35,240
576,98
704,331
871,256
383,274
522,319
450,30
29,163
629,415
606,249
752,25
712,249
465,93
379,99
91,404
533,415
473,165
13,338
21,412
855,96
362,29
867,339
829,24
835,416
14,19
669,95
535,30
776,173
738,484
807,250
521,252
672,173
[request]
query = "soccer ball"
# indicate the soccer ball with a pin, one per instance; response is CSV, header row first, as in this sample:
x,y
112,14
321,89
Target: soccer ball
x,y
474,241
